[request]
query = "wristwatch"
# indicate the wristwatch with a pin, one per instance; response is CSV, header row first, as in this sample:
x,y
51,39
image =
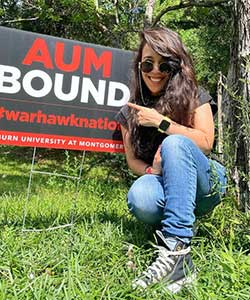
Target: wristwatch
x,y
165,123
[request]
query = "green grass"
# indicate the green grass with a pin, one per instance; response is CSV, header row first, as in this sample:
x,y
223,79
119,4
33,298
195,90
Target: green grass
x,y
93,259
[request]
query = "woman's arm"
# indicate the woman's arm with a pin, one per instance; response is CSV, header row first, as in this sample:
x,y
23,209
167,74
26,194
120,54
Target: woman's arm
x,y
137,166
202,132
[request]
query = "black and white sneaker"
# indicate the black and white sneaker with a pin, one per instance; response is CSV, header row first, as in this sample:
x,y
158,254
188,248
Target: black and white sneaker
x,y
173,267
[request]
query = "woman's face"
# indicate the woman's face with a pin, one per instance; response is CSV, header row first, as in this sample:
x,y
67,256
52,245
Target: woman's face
x,y
155,80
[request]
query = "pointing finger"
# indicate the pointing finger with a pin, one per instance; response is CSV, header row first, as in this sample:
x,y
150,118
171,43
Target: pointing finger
x,y
135,106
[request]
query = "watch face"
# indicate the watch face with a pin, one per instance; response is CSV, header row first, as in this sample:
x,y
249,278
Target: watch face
x,y
164,125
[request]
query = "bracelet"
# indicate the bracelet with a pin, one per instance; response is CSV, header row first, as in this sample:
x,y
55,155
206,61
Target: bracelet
x,y
148,170
145,169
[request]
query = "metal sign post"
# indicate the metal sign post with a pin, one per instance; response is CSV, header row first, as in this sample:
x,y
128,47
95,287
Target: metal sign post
x,y
32,172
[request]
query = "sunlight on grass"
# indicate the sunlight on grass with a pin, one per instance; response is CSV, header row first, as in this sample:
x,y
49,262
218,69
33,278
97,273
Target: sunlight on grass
x,y
101,254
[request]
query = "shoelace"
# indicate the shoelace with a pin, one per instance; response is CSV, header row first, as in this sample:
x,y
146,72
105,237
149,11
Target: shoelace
x,y
163,264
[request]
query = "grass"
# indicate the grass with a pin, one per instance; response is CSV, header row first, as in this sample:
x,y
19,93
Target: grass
x,y
102,253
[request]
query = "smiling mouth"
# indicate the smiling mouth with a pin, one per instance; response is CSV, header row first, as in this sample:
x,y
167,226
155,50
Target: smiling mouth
x,y
156,80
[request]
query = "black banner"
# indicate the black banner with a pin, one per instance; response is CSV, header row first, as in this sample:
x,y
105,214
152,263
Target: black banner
x,y
59,93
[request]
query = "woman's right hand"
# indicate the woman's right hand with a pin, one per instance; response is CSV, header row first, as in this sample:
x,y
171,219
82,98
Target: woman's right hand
x,y
156,167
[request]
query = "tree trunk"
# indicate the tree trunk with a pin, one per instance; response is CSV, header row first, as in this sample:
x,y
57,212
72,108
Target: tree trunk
x,y
117,19
149,13
236,103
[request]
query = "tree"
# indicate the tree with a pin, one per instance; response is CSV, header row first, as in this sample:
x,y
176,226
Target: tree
x,y
149,12
236,104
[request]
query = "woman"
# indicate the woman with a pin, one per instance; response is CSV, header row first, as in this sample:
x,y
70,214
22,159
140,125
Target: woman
x,y
168,131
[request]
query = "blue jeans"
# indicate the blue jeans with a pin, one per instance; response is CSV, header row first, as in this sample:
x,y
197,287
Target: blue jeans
x,y
191,185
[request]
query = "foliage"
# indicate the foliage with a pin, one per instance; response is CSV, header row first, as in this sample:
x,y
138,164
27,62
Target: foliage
x,y
209,47
64,18
123,21
116,24
82,20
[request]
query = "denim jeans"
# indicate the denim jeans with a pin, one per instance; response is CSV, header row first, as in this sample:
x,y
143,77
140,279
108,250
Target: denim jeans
x,y
191,185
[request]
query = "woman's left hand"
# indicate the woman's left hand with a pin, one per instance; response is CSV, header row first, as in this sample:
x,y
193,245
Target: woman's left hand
x,y
148,117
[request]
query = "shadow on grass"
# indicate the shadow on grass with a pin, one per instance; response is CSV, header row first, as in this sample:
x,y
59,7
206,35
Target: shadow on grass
x,y
25,153
136,232
16,167
11,183
19,159
50,160
18,184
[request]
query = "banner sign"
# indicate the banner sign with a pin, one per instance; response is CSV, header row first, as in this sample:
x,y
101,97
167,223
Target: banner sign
x,y
59,93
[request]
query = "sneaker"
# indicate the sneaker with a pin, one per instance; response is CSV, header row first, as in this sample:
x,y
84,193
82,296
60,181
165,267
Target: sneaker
x,y
174,267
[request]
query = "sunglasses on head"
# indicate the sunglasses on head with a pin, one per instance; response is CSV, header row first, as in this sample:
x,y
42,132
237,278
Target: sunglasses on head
x,y
148,66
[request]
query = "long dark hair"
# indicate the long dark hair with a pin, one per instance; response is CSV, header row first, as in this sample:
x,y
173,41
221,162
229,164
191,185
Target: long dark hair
x,y
178,100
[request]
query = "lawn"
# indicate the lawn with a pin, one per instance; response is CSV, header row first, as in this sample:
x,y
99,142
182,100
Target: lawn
x,y
104,250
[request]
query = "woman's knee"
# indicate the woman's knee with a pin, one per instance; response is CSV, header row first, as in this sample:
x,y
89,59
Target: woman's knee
x,y
144,202
176,141
175,145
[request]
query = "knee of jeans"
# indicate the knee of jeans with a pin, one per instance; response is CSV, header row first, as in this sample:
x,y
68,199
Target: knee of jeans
x,y
143,208
175,143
